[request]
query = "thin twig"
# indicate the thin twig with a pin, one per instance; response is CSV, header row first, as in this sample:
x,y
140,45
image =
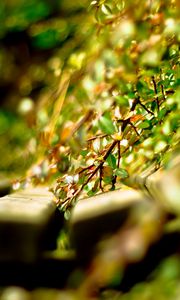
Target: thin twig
x,y
119,154
68,200
155,90
163,93
100,136
136,101
162,87
134,128
145,108
100,178
118,165
124,124
79,124
86,168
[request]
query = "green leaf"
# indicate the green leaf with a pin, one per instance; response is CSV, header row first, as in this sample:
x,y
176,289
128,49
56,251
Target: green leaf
x,y
121,173
111,161
84,152
106,125
106,9
141,85
160,146
144,124
162,113
107,180
122,100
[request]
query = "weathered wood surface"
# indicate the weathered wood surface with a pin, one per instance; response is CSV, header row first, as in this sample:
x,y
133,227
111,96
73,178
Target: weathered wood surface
x,y
47,271
5,186
97,217
29,224
164,187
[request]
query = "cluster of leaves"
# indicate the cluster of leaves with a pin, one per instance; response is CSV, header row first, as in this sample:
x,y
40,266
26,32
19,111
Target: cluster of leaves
x,y
131,91
116,108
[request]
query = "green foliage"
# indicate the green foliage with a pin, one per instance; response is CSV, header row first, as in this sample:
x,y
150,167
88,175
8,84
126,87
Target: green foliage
x,y
111,161
106,124
130,87
97,94
122,173
14,135
115,108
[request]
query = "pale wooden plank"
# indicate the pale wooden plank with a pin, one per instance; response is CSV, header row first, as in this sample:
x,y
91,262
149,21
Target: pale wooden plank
x,y
102,215
29,221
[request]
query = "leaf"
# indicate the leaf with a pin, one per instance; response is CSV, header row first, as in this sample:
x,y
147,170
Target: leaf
x,y
77,60
84,152
107,172
137,118
95,187
89,189
111,160
122,100
144,125
107,179
96,145
160,146
62,90
162,113
67,131
121,173
106,9
141,85
106,125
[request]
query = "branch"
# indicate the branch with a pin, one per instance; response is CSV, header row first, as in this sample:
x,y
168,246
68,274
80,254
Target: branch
x,y
145,108
138,101
134,128
68,200
119,154
100,178
156,92
118,165
162,87
100,136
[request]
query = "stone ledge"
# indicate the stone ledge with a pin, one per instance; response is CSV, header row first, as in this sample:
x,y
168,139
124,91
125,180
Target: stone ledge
x,y
162,185
29,224
100,216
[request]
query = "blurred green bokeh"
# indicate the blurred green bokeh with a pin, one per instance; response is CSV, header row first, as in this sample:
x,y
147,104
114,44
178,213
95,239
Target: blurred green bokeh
x,y
36,37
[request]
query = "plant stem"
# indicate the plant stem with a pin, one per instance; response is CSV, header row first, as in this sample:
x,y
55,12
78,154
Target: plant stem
x,y
100,136
85,169
119,154
100,178
68,200
134,129
118,165
145,108
155,90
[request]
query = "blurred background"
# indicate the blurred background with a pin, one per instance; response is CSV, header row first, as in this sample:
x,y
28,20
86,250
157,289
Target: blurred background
x,y
36,38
